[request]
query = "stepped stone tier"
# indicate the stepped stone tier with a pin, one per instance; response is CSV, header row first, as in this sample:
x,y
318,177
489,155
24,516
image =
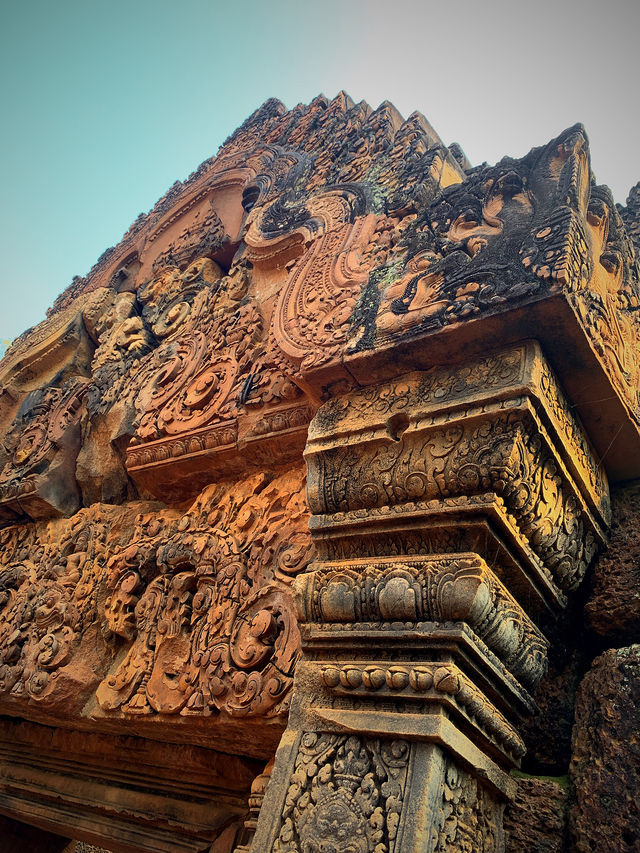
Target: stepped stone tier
x,y
302,495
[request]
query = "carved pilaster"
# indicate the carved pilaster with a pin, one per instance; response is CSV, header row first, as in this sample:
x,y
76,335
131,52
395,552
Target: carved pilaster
x,y
258,788
453,510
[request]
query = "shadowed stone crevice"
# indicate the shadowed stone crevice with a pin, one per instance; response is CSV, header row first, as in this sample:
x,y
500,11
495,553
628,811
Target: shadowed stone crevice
x,y
19,837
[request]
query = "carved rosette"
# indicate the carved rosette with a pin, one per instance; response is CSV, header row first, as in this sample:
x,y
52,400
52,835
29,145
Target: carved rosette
x,y
456,498
212,401
188,390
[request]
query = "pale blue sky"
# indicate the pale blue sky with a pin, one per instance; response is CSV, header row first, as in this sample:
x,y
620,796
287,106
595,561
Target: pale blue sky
x,y
105,104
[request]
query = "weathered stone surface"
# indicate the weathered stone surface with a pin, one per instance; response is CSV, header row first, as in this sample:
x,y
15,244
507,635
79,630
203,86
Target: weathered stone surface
x,y
613,607
547,733
124,598
338,295
121,792
535,820
605,766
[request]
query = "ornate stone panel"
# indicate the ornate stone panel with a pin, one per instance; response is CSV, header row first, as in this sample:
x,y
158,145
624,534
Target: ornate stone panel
x,y
451,350
441,588
156,613
568,237
407,631
435,441
346,788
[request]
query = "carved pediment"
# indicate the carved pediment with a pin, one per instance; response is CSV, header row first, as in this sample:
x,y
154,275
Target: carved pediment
x,y
453,355
325,252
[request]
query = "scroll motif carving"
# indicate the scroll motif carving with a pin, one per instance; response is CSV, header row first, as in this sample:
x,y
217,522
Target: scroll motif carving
x,y
454,263
213,368
317,177
302,273
279,231
311,319
347,789
210,623
188,391
468,457
439,588
470,817
514,371
194,606
40,452
49,599
191,377
167,300
454,268
449,525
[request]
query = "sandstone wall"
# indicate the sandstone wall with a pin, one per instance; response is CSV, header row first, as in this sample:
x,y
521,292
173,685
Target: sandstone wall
x,y
315,464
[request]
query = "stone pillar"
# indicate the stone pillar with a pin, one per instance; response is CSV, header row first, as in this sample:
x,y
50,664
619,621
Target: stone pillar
x,y
453,509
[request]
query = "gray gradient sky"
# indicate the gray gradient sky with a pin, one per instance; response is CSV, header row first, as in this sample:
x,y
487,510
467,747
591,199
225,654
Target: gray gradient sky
x,y
105,104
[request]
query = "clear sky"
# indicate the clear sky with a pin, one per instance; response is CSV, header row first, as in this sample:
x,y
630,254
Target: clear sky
x,y
105,104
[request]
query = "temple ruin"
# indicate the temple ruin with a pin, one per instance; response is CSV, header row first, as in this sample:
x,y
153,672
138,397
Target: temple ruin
x,y
320,509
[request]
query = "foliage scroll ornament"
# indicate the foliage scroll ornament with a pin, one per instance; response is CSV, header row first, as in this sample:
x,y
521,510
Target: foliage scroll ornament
x,y
347,789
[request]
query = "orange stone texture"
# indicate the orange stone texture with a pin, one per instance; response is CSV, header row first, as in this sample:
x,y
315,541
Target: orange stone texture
x,y
305,508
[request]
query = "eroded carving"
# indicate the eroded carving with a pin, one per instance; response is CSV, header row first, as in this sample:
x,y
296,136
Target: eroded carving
x,y
346,791
38,478
210,623
470,818
443,588
339,257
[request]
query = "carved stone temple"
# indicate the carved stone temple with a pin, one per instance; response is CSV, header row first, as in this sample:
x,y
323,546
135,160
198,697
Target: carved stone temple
x,y
318,523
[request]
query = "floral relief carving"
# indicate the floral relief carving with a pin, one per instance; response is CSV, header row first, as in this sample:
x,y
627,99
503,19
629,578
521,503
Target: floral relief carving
x,y
435,588
347,789
470,819
49,598
195,606
454,263
213,370
467,457
336,290
311,318
210,624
